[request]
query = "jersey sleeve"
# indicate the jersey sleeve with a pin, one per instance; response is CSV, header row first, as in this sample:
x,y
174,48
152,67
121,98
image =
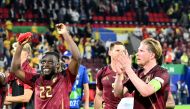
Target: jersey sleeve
x,y
129,85
70,77
162,77
99,79
26,86
10,78
30,74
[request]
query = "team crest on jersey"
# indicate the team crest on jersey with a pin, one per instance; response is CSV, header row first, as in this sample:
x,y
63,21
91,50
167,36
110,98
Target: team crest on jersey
x,y
147,80
106,78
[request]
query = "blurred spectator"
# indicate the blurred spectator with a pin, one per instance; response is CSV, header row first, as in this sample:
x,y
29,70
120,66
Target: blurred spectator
x,y
8,25
145,33
184,20
34,28
36,39
35,61
3,63
138,32
8,29
81,47
178,53
1,45
61,13
114,9
169,56
74,30
100,50
88,51
88,30
12,14
182,92
21,9
50,38
6,53
184,58
75,16
170,11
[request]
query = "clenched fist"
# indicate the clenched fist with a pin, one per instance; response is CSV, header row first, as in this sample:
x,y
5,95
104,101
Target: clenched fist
x,y
24,38
61,28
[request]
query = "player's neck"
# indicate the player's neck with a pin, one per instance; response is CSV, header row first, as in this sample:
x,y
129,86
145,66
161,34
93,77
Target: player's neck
x,y
49,77
149,66
112,66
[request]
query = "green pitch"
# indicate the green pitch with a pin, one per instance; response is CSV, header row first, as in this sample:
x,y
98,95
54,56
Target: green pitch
x,y
182,107
176,107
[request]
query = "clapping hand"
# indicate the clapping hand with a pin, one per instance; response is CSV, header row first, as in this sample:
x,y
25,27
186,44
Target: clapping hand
x,y
117,66
124,61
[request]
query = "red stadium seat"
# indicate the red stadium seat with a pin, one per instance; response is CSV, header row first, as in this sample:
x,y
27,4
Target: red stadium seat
x,y
1,10
5,10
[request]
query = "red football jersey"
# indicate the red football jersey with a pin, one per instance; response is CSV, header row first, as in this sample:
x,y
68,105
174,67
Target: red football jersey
x,y
3,90
156,100
50,94
105,79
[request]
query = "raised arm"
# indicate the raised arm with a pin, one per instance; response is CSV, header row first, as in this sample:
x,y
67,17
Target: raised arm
x,y
76,58
16,61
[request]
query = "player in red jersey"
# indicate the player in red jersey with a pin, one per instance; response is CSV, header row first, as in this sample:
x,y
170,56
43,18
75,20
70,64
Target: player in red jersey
x,y
105,78
21,95
3,89
150,83
52,88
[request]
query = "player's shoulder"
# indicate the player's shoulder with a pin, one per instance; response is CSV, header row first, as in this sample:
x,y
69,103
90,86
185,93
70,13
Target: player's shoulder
x,y
162,70
102,70
35,78
82,67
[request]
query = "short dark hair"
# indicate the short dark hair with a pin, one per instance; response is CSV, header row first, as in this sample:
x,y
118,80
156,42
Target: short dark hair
x,y
52,53
115,43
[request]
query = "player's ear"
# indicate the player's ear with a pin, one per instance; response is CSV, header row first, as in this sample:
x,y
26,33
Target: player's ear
x,y
58,66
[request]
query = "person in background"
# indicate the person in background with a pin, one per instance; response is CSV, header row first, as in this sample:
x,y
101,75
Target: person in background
x,y
22,94
182,92
81,84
